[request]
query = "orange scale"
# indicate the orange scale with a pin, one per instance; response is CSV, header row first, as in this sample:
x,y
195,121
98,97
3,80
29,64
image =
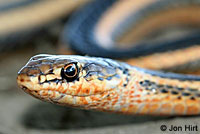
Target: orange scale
x,y
131,96
166,108
86,91
131,101
104,104
137,95
153,108
96,90
155,100
97,104
82,101
132,109
60,88
138,101
167,98
64,91
94,98
78,90
114,102
116,98
144,110
147,100
109,98
192,110
189,102
56,89
179,109
124,109
73,86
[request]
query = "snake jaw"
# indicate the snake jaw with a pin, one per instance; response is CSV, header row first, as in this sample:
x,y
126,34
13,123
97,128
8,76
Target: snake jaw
x,y
65,97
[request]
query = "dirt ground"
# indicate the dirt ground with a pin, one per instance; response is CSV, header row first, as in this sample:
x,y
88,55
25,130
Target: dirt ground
x,y
23,114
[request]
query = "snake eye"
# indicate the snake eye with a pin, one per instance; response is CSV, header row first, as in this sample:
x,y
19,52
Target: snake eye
x,y
70,72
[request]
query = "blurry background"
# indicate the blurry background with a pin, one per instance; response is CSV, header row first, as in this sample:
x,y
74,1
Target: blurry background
x,y
30,27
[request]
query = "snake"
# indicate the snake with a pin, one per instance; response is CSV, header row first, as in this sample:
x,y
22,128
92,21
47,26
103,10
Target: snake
x,y
139,85
108,85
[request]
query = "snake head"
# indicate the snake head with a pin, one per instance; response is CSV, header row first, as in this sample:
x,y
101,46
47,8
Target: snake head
x,y
68,80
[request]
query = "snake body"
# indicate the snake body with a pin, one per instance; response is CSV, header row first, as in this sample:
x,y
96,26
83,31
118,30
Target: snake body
x,y
113,86
108,85
121,29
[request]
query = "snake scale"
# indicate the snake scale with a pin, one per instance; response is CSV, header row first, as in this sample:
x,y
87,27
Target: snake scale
x,y
113,86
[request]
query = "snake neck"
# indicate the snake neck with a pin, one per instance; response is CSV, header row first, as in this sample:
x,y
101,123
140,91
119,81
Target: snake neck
x,y
147,93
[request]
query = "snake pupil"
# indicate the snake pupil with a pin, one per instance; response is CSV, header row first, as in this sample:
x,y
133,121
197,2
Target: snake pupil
x,y
70,72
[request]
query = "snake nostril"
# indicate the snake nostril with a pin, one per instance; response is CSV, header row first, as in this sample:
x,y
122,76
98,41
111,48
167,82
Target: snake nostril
x,y
22,80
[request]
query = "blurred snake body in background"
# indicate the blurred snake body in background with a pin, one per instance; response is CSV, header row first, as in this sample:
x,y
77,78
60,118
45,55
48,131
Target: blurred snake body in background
x,y
23,19
102,29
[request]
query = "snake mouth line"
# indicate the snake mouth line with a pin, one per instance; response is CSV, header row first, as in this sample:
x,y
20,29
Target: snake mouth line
x,y
69,100
30,91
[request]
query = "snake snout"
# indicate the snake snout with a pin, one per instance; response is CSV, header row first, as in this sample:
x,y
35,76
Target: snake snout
x,y
23,81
